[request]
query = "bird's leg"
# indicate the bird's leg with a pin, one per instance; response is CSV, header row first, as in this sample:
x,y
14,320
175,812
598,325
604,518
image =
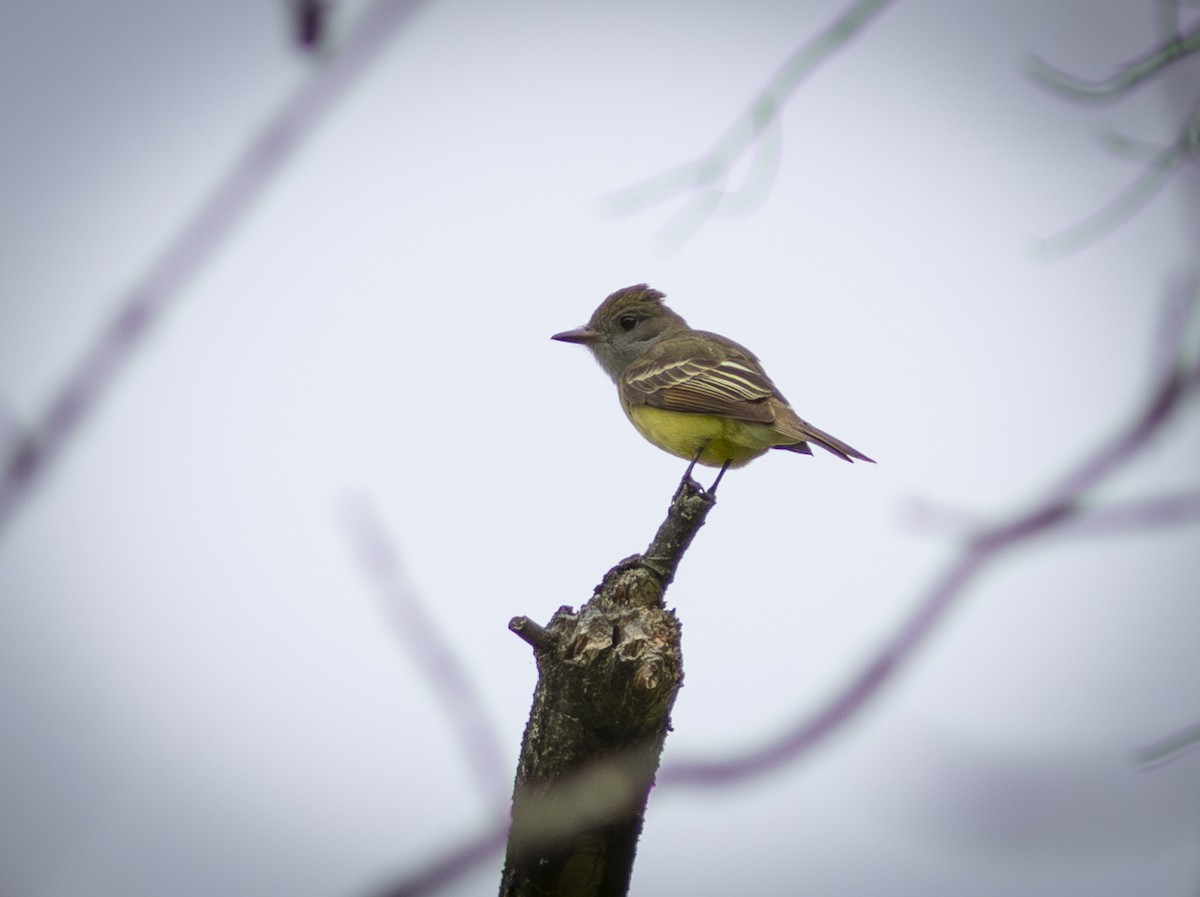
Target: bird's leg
x,y
687,474
712,490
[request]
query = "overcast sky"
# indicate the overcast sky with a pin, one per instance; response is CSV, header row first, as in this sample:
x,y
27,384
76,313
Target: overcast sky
x,y
201,690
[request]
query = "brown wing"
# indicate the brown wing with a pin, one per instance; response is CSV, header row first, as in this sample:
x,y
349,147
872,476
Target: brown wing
x,y
705,375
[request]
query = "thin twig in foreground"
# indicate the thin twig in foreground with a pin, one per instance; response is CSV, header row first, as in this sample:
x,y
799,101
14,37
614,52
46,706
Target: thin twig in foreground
x,y
1137,72
457,695
1171,748
1129,201
452,865
1138,514
707,174
1113,518
1160,162
163,283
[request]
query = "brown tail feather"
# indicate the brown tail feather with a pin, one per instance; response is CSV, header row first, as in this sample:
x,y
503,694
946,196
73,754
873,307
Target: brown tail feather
x,y
808,433
790,424
835,445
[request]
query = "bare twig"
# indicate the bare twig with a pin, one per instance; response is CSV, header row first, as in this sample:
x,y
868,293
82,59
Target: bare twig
x,y
10,429
459,699
1151,512
1168,19
534,635
1179,327
1160,162
1132,148
163,283
705,177
1113,518
1164,163
1177,47
310,24
1169,749
452,865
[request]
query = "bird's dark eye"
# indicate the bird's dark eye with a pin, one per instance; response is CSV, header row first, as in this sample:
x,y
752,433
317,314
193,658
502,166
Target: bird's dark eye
x,y
627,322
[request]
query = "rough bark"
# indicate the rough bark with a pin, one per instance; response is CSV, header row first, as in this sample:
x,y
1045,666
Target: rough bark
x,y
607,679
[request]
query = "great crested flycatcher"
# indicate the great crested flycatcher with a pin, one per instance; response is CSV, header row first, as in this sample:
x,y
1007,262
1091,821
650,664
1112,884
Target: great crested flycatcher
x,y
694,394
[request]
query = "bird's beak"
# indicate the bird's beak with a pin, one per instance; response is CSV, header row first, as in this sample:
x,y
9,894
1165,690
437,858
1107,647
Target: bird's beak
x,y
579,335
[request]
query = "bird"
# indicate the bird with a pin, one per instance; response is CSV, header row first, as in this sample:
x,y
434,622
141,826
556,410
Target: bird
x,y
695,394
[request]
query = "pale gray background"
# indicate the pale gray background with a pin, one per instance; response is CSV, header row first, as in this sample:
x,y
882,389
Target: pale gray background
x,y
200,691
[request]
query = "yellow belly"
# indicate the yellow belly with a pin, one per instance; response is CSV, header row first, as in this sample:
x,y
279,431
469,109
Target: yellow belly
x,y
723,440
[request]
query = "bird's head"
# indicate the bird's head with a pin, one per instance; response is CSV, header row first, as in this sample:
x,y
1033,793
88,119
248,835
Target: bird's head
x,y
625,325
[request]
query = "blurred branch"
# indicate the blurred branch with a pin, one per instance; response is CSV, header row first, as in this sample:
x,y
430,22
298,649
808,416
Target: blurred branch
x,y
1178,328
10,429
1162,164
310,24
1152,512
452,865
1168,19
1169,749
169,274
1133,148
1152,63
705,177
1114,518
457,695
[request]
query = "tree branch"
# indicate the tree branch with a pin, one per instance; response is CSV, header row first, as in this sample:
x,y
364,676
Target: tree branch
x,y
607,680
1139,514
1112,518
141,309
452,865
1171,748
705,176
1152,63
457,695
1162,164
